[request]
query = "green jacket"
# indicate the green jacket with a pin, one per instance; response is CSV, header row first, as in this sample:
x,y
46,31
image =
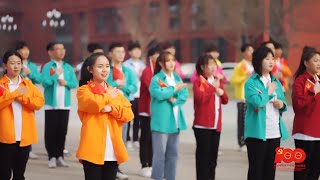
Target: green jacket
x,y
162,116
131,81
256,96
50,82
34,75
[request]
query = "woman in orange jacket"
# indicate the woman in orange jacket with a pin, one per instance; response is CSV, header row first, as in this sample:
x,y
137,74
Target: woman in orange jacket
x,y
19,98
102,111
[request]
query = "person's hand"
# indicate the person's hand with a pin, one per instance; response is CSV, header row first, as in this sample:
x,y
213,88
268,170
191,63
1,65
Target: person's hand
x,y
219,91
62,82
113,92
22,90
271,87
59,71
278,104
180,86
106,109
216,83
121,82
172,99
25,71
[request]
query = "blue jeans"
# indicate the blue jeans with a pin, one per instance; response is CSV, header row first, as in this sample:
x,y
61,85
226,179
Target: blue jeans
x,y
165,155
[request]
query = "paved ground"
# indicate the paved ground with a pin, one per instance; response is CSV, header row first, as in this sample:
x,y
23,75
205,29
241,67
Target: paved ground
x,y
231,164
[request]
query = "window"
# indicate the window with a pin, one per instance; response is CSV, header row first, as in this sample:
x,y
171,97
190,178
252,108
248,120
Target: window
x,y
197,48
199,45
174,14
64,35
154,18
199,18
108,21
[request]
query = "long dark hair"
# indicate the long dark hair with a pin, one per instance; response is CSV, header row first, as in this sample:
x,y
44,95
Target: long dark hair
x,y
307,53
202,61
162,58
90,61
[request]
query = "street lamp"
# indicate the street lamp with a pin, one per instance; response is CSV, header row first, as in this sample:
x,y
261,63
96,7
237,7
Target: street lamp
x,y
7,23
54,19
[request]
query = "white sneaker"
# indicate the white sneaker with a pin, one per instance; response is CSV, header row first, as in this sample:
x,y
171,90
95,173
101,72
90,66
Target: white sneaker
x,y
121,175
220,153
33,155
130,146
52,163
146,172
136,144
243,149
61,162
65,151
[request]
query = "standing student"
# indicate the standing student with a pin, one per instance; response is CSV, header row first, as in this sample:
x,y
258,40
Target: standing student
x,y
263,123
145,150
241,73
169,47
168,94
136,65
305,101
29,71
208,97
19,98
124,79
102,110
58,78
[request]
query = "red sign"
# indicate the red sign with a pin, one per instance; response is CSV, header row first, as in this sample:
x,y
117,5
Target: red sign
x,y
288,155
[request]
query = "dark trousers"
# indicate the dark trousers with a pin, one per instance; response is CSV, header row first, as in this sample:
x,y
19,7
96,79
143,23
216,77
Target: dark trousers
x,y
145,142
55,131
108,171
136,122
261,156
312,161
241,116
206,152
13,161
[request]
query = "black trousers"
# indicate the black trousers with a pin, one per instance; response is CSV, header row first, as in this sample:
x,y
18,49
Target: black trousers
x,y
241,116
108,171
136,122
13,161
55,131
312,161
261,156
145,142
206,152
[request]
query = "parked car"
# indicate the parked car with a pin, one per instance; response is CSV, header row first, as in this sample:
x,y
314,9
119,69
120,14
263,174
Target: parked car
x,y
228,68
188,69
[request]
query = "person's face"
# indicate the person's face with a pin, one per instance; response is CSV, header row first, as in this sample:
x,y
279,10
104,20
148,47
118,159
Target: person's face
x,y
210,68
215,54
248,53
135,53
278,52
24,52
118,54
98,51
271,46
313,65
100,70
13,66
154,57
58,52
267,63
171,50
169,64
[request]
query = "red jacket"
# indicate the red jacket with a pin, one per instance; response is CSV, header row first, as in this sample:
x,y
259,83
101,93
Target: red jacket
x,y
204,105
306,107
145,99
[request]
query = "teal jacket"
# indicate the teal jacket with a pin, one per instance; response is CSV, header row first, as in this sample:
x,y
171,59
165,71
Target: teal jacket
x,y
131,81
34,75
50,83
256,96
162,116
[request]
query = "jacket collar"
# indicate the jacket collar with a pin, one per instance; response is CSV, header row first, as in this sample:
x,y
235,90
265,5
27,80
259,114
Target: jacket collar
x,y
5,80
257,76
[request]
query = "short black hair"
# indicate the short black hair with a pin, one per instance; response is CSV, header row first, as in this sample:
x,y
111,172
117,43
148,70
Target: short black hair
x,y
258,56
203,60
245,46
167,45
21,45
153,50
50,45
277,45
267,42
115,45
10,53
133,44
211,48
93,46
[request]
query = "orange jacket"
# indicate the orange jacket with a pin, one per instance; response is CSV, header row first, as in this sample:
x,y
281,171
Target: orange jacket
x,y
31,101
94,124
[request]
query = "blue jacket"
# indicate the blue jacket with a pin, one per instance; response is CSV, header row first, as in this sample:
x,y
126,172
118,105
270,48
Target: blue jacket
x,y
162,116
256,96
